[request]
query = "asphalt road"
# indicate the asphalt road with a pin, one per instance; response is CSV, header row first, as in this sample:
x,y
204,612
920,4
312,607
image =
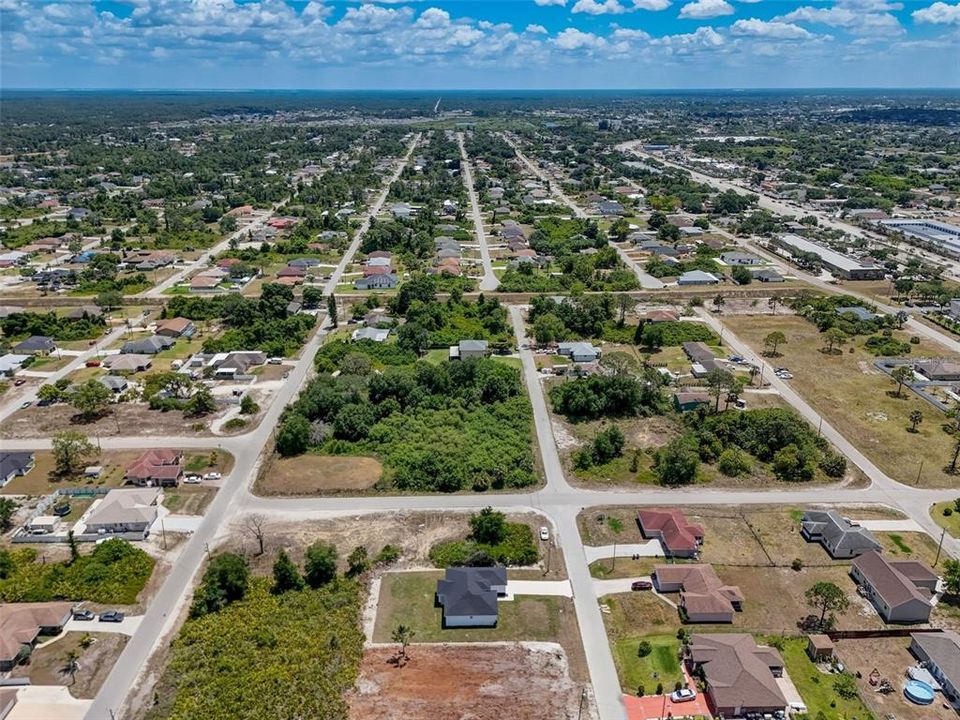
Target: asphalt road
x,y
490,281
160,617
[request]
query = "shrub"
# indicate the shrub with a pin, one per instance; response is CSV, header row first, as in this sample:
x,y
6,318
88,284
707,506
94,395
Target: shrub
x,y
833,464
845,686
659,688
797,564
644,648
235,424
516,548
733,462
947,512
387,555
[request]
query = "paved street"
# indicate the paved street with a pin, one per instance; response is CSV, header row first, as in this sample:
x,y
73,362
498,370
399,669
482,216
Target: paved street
x,y
490,281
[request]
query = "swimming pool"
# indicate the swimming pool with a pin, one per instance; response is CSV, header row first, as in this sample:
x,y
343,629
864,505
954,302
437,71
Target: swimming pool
x,y
918,692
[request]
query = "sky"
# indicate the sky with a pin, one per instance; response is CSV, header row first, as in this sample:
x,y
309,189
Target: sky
x,y
468,44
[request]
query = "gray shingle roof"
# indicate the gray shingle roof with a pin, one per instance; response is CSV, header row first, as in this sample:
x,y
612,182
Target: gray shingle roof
x,y
468,591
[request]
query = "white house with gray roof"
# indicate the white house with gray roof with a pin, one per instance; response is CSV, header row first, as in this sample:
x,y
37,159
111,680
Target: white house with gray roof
x,y
839,537
467,349
468,595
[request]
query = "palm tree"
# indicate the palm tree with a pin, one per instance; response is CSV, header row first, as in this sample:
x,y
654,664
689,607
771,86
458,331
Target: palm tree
x,y
916,417
71,665
403,636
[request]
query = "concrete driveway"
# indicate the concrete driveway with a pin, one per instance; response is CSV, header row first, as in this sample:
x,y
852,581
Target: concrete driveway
x,y
902,525
127,627
617,585
47,702
651,548
556,588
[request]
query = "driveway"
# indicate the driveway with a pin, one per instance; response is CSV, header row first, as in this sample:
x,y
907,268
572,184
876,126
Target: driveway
x,y
556,588
127,627
178,523
47,702
902,525
651,548
617,585
656,707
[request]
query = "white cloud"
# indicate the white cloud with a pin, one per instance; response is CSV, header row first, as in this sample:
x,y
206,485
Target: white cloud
x,y
654,5
544,3
773,29
603,7
574,39
859,17
536,29
630,34
703,9
939,13
704,37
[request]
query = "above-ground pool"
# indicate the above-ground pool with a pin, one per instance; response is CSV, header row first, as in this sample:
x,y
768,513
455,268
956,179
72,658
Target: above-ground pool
x,y
918,692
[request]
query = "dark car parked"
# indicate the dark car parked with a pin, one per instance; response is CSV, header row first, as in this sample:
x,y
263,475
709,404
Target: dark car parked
x,y
82,615
641,585
111,616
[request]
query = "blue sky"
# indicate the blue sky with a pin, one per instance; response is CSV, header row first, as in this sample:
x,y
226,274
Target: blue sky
x,y
414,44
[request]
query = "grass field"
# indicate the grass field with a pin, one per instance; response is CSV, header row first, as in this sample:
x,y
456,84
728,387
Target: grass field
x,y
311,474
856,398
188,499
662,665
951,523
815,687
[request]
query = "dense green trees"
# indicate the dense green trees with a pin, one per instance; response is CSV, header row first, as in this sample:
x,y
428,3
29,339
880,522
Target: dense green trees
x,y
59,327
115,571
493,540
606,445
599,396
225,581
320,564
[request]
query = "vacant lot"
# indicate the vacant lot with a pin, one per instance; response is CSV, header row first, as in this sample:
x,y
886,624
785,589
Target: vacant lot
x,y
856,398
909,546
48,663
891,658
444,682
408,598
312,474
188,499
122,419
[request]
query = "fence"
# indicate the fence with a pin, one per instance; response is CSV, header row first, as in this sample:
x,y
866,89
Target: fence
x,y
887,633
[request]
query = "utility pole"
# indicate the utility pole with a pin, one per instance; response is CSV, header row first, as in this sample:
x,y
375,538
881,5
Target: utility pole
x,y
918,472
939,546
583,693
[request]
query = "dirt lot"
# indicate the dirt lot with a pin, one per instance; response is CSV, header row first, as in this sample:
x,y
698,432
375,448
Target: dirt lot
x,y
414,533
317,474
475,682
188,499
47,663
43,421
892,658
856,397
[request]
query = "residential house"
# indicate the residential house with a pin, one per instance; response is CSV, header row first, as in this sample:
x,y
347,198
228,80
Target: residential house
x,y
235,364
610,207
204,283
291,271
371,333
114,383
698,277
176,327
735,257
658,316
861,313
741,676
159,466
124,511
127,363
381,254
579,351
940,370
376,282
10,363
14,464
940,655
467,349
22,623
900,590
678,536
147,346
468,595
702,358
35,345
84,311
691,400
838,536
704,597
767,275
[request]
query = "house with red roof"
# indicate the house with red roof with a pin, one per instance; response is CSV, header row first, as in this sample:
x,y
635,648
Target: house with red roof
x,y
678,536
160,466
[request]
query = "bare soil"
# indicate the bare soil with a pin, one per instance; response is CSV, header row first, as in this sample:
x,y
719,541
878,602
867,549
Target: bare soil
x,y
128,419
47,663
475,682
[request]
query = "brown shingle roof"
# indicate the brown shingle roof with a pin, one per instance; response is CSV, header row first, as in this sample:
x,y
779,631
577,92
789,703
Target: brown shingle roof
x,y
675,531
892,585
738,671
20,623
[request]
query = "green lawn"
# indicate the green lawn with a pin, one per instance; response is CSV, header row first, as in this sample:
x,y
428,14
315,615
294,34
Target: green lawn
x,y
662,665
408,598
436,357
815,687
950,522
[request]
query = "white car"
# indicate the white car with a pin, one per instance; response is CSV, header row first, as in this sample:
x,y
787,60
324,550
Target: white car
x,y
544,533
683,695
212,476
193,480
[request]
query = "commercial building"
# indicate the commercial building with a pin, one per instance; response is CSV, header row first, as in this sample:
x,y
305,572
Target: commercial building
x,y
945,237
837,263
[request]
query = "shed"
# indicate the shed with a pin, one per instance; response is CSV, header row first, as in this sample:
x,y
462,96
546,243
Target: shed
x,y
819,648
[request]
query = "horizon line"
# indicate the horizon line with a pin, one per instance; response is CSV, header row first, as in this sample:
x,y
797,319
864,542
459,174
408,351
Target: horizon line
x,y
482,89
